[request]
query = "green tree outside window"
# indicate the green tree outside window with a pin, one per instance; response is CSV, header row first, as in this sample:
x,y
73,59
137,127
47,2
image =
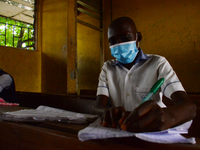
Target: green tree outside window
x,y
16,34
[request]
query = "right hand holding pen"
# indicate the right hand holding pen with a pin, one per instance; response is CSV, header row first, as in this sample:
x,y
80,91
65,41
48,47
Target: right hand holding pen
x,y
147,117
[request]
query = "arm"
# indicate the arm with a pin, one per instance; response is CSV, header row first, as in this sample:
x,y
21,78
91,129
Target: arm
x,y
184,109
100,105
109,115
150,117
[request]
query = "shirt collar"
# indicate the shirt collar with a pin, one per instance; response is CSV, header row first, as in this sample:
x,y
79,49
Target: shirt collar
x,y
140,56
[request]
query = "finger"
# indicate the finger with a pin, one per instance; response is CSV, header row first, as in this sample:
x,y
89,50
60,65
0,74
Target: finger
x,y
114,116
149,122
121,111
101,122
152,126
161,121
144,124
137,114
124,116
106,118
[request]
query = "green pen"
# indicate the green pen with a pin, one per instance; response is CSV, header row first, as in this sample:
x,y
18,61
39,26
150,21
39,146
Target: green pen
x,y
153,90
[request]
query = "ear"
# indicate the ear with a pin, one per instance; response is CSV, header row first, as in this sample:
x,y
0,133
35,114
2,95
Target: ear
x,y
139,36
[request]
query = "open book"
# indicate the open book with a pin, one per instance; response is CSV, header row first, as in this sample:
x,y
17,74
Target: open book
x,y
172,135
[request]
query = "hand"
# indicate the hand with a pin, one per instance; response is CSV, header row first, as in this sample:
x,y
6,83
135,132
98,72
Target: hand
x,y
111,116
145,118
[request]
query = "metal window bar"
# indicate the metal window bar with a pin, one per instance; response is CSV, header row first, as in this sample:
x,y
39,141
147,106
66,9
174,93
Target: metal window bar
x,y
5,35
13,26
28,37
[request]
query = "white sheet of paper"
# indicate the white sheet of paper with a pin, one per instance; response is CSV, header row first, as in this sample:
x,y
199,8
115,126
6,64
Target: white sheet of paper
x,y
45,113
96,131
165,138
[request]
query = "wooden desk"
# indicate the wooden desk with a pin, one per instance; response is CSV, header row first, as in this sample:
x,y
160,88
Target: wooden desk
x,y
60,136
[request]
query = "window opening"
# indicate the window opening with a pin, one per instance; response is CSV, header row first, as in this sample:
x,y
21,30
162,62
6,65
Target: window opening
x,y
17,23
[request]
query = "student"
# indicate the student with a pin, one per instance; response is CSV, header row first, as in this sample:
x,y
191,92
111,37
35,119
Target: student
x,y
126,80
7,87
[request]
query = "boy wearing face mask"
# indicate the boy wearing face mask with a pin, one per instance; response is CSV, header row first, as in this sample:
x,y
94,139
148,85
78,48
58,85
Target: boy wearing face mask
x,y
126,80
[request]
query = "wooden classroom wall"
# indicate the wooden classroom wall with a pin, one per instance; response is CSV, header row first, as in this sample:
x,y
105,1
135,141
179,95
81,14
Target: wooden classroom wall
x,y
170,28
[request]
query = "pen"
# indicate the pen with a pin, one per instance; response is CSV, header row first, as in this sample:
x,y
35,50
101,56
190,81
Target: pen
x,y
153,90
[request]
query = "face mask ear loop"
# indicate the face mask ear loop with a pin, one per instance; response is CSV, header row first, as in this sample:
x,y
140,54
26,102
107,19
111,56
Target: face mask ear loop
x,y
138,42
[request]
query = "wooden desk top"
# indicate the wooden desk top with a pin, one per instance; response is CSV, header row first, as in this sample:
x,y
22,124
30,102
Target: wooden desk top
x,y
50,136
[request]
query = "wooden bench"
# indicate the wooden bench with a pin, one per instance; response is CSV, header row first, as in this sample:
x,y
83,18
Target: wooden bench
x,y
82,104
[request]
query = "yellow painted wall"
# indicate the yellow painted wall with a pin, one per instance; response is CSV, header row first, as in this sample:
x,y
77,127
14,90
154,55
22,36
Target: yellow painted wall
x,y
54,46
24,66
88,53
170,28
43,70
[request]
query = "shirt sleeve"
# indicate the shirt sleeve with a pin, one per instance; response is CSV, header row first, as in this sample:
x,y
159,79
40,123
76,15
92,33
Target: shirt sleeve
x,y
171,83
5,81
103,82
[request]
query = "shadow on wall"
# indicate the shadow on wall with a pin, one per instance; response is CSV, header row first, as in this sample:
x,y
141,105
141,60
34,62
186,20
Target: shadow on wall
x,y
88,73
54,75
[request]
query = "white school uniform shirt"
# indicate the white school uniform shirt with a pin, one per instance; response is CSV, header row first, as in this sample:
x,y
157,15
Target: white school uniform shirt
x,y
128,88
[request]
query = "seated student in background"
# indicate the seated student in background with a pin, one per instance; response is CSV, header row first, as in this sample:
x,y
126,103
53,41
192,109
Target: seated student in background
x,y
7,87
126,80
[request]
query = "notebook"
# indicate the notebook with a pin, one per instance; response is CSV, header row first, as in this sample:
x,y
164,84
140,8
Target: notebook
x,y
172,135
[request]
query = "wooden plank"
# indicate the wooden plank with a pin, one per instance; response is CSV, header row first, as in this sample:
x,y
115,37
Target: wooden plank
x,y
70,102
38,26
9,10
102,50
24,3
71,48
88,13
88,6
89,25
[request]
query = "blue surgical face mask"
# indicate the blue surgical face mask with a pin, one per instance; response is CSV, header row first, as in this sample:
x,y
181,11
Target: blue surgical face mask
x,y
124,52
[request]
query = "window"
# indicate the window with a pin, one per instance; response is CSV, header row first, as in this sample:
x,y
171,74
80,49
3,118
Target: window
x,y
17,23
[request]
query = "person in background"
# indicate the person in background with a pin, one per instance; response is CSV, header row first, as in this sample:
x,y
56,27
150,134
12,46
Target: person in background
x,y
125,81
7,87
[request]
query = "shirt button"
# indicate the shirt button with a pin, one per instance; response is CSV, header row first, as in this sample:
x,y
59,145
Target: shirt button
x,y
129,74
127,94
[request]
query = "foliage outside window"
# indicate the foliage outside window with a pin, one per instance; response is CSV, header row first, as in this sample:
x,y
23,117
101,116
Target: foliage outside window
x,y
16,34
17,23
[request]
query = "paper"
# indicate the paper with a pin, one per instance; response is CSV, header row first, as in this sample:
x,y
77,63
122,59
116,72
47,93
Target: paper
x,y
45,113
96,131
165,138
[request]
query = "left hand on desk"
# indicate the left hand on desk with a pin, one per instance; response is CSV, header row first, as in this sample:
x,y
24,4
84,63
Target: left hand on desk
x,y
145,118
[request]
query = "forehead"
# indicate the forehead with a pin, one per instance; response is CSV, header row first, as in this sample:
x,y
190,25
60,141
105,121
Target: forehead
x,y
121,28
